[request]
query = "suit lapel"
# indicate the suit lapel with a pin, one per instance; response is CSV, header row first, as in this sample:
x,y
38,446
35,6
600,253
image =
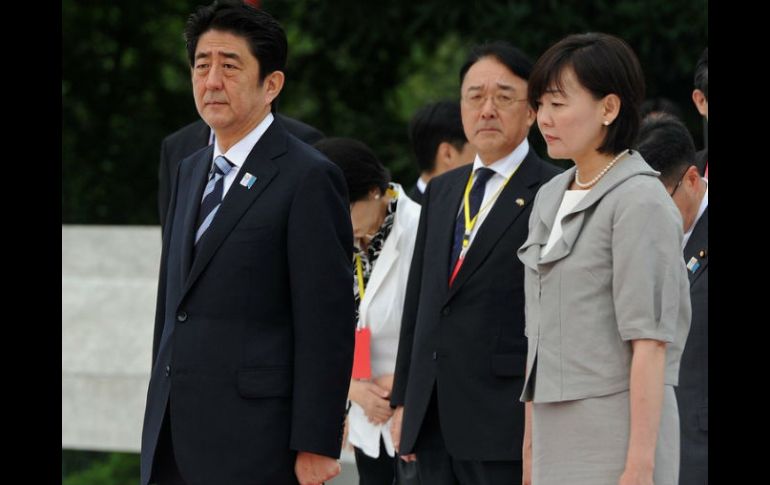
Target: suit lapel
x,y
238,198
503,213
388,258
572,222
549,200
198,179
448,201
697,247
385,263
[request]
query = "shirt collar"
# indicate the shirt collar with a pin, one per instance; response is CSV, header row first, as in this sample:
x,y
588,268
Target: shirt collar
x,y
421,184
508,164
238,153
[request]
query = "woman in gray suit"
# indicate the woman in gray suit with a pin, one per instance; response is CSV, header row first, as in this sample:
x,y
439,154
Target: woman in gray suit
x,y
607,300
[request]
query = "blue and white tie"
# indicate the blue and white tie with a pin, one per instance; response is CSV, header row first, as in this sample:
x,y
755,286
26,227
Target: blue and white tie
x,y
212,195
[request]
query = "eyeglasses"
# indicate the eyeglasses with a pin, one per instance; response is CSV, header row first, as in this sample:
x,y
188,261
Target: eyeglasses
x,y
499,100
681,178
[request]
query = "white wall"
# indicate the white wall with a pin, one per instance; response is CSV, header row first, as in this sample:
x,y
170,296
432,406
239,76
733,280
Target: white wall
x,y
109,284
109,281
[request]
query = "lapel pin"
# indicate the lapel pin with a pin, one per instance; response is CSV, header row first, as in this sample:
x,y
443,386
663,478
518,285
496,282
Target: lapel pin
x,y
693,264
520,202
702,253
248,180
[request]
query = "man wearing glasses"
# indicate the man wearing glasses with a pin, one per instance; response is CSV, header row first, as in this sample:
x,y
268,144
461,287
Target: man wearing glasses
x,y
667,146
462,350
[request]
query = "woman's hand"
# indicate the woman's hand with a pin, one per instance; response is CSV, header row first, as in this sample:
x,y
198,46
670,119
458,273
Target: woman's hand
x,y
374,399
636,476
648,365
526,448
385,381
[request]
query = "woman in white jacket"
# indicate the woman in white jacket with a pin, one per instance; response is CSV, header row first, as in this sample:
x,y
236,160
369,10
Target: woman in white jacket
x,y
384,230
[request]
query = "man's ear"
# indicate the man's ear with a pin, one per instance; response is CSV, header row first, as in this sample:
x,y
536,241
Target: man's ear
x,y
692,175
444,156
701,103
531,116
272,84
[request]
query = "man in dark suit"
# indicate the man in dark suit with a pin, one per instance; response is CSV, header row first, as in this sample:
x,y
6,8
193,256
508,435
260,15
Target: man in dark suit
x,y
191,138
438,142
666,144
462,350
251,362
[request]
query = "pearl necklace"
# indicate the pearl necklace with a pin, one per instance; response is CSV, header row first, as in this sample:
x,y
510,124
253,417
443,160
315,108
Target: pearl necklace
x,y
601,174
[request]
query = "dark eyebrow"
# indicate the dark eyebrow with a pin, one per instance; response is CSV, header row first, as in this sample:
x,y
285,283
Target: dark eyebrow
x,y
228,55
232,55
504,87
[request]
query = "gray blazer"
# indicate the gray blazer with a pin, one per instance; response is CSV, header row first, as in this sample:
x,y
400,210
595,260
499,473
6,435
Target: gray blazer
x,y
615,275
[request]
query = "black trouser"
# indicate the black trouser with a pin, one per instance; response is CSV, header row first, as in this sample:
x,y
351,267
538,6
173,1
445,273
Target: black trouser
x,y
375,471
437,466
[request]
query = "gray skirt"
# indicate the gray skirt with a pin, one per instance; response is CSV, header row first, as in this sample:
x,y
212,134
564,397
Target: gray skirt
x,y
584,442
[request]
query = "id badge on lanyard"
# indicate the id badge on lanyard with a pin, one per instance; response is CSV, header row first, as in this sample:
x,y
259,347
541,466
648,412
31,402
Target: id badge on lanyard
x,y
362,358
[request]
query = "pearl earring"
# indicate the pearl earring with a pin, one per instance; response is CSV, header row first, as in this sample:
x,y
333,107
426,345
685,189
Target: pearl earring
x,y
606,123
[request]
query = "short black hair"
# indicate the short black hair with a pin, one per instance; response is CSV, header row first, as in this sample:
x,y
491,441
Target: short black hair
x,y
432,125
361,167
603,64
265,36
667,146
511,57
660,105
701,78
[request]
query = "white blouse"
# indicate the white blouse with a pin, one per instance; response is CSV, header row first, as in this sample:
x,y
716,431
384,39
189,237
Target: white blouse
x,y
568,202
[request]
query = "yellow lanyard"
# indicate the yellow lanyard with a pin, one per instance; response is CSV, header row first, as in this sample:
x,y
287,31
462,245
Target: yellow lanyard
x,y
470,223
360,275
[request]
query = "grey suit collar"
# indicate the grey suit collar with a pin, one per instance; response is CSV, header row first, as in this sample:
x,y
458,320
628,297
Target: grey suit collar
x,y
550,198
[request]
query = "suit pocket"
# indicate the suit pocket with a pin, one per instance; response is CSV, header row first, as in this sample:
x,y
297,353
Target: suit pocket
x,y
265,382
509,365
703,418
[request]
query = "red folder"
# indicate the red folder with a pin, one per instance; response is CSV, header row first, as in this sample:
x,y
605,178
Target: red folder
x,y
362,360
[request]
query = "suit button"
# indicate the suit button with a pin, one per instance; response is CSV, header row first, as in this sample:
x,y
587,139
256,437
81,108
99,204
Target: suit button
x,y
446,311
168,370
435,356
181,316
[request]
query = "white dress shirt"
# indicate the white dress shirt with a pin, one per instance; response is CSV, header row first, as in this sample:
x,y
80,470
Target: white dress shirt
x,y
568,202
238,153
503,169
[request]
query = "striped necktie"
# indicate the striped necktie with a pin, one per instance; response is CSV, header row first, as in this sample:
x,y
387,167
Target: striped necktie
x,y
212,195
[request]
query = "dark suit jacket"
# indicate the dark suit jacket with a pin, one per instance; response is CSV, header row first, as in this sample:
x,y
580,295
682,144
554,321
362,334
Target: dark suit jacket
x,y
468,340
692,392
252,357
191,138
415,194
